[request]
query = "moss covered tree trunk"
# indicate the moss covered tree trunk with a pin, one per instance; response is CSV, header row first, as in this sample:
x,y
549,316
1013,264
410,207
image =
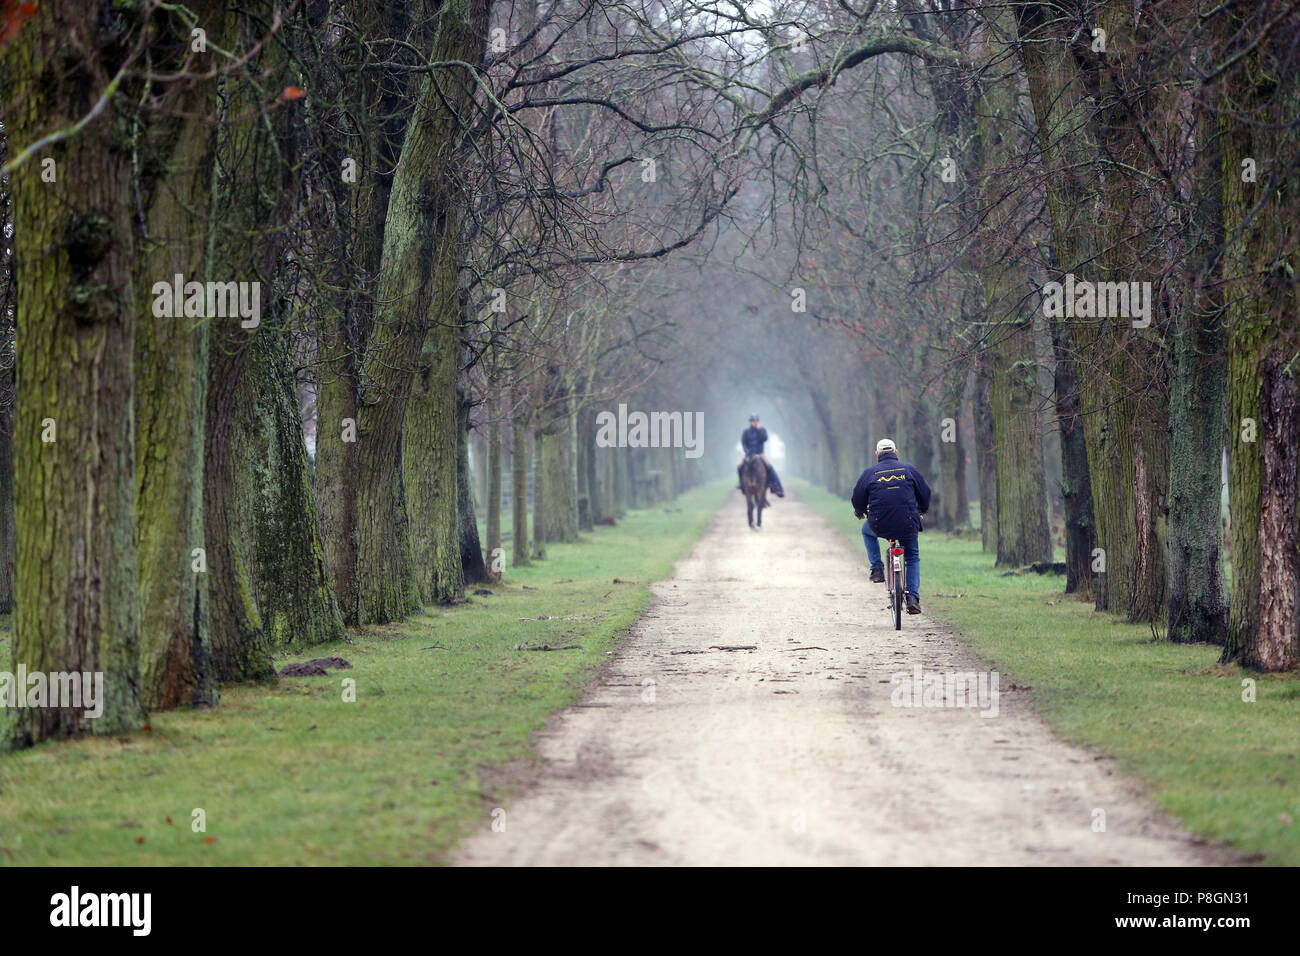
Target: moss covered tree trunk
x,y
493,486
1128,432
1076,480
171,394
916,443
558,517
294,594
1088,124
374,147
1023,534
575,485
520,556
430,461
635,487
417,331
6,398
1198,408
386,586
954,507
335,483
985,460
539,497
241,647
831,447
584,435
1062,110
268,582
622,492
1258,109
609,466
74,477
6,457
596,494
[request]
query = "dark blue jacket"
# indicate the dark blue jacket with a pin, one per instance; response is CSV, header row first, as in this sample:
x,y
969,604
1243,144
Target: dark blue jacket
x,y
753,439
893,496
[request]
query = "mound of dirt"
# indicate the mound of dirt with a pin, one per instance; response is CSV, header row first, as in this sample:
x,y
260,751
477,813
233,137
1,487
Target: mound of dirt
x,y
316,667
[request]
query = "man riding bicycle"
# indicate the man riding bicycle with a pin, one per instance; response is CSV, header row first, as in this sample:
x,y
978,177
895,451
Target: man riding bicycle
x,y
752,440
893,495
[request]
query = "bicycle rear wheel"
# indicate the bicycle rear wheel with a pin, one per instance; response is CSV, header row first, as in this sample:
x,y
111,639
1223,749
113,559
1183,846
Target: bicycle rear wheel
x,y
896,596
896,600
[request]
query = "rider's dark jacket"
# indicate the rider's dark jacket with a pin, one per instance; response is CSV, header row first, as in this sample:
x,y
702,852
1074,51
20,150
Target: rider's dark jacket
x,y
893,496
753,439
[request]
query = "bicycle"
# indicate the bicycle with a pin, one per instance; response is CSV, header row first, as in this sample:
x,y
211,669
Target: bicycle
x,y
897,582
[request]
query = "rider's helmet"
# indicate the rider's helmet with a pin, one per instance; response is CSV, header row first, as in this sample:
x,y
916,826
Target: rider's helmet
x,y
754,417
884,445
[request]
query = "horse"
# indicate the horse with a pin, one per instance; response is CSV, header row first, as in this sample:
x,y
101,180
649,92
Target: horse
x,y
753,478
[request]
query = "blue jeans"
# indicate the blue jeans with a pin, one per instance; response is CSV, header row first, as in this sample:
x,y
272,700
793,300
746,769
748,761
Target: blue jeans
x,y
911,558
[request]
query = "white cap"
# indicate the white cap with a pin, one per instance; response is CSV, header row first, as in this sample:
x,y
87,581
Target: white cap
x,y
886,444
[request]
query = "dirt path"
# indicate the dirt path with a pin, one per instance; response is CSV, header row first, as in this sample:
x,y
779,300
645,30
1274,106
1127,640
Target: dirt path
x,y
792,753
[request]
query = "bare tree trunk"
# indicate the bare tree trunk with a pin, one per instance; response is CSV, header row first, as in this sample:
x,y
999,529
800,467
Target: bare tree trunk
x,y
539,498
595,493
473,570
375,147
493,483
609,514
1198,609
954,508
985,460
558,516
621,493
520,556
1076,481
1125,418
1023,534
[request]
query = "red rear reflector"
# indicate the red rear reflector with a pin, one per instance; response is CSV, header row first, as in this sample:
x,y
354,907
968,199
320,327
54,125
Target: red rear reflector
x,y
896,551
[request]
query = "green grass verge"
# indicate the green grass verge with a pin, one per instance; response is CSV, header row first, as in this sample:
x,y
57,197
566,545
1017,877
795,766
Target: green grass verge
x,y
291,774
1169,713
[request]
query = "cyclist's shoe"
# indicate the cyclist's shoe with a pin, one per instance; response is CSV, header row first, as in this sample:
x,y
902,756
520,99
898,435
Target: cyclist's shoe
x,y
913,603
878,575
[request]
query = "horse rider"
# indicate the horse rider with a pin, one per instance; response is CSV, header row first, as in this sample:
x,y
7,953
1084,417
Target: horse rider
x,y
752,439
